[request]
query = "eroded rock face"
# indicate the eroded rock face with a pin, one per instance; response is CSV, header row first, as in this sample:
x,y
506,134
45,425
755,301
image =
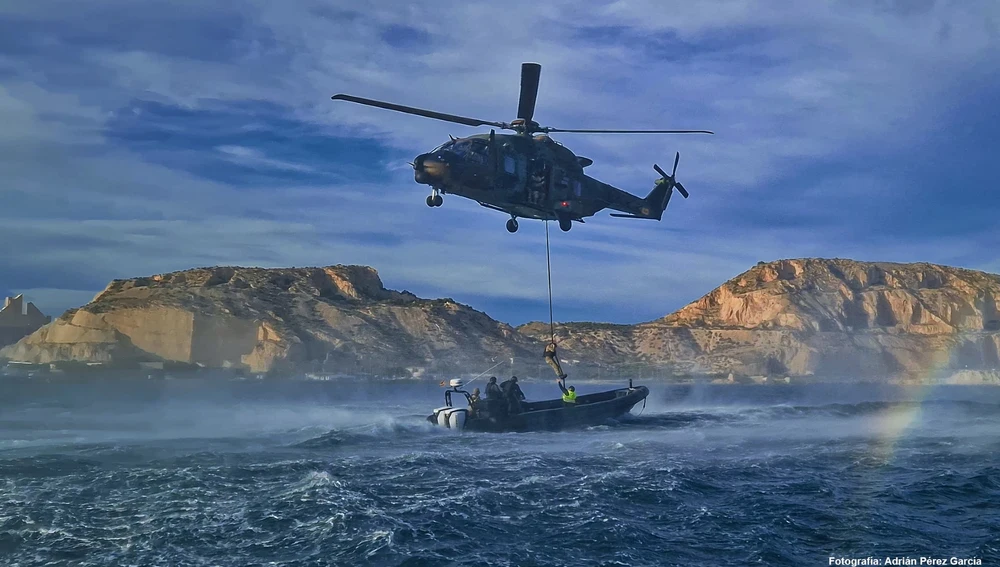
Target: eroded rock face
x,y
831,318
838,318
272,319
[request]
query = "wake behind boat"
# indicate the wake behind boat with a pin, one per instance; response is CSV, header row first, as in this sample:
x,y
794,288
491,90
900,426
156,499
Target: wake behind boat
x,y
547,415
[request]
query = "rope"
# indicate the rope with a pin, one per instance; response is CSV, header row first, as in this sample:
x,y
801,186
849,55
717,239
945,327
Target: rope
x,y
548,267
483,373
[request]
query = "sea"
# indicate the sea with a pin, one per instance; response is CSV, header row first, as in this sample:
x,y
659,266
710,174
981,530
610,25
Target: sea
x,y
227,472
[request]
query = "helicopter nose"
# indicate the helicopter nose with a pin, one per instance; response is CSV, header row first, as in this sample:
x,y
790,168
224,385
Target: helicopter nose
x,y
429,169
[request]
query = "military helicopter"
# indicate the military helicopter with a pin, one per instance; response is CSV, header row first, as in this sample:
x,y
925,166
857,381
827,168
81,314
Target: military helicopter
x,y
528,174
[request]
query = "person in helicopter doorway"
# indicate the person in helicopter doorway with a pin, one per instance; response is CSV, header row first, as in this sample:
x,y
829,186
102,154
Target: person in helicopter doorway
x,y
513,394
568,394
536,182
553,361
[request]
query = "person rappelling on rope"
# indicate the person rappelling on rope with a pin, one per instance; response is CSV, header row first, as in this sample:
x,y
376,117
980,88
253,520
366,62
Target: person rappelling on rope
x,y
552,360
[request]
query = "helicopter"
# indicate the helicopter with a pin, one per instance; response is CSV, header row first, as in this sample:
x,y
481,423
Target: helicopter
x,y
528,174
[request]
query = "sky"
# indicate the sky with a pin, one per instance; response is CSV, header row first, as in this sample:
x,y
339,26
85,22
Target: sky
x,y
143,138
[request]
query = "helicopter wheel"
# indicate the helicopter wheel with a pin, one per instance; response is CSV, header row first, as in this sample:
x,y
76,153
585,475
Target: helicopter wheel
x,y
438,200
512,225
430,200
565,223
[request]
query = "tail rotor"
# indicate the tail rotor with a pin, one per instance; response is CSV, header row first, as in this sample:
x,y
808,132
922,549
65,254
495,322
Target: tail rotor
x,y
671,179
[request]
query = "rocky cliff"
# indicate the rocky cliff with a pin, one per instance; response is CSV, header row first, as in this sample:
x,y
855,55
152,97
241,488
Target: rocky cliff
x,y
338,318
837,318
830,318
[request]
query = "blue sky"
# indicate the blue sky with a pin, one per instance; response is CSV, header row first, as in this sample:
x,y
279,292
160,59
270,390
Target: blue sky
x,y
140,139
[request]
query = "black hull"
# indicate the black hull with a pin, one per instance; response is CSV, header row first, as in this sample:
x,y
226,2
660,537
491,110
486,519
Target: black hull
x,y
555,415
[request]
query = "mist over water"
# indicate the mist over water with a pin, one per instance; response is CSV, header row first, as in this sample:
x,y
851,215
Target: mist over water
x,y
198,472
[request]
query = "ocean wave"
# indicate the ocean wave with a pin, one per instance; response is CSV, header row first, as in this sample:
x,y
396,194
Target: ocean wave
x,y
774,483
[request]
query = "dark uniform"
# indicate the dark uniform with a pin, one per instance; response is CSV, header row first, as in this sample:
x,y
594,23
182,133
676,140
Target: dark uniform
x,y
551,360
474,402
495,401
513,394
493,391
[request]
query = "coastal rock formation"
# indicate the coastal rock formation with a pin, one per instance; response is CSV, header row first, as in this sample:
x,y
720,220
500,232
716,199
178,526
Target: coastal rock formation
x,y
338,318
830,318
827,317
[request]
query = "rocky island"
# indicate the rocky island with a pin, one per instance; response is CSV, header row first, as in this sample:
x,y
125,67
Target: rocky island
x,y
824,318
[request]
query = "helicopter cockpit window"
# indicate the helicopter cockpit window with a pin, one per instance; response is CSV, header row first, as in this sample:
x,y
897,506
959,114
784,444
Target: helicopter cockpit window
x,y
445,146
473,150
460,148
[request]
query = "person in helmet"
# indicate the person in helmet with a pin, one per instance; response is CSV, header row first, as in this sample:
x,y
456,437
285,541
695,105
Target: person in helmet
x,y
493,391
496,402
513,394
568,394
474,402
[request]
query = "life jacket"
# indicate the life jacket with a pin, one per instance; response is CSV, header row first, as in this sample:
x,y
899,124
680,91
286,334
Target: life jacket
x,y
569,397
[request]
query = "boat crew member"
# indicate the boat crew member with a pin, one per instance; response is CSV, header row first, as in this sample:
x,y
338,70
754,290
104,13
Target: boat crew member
x,y
496,403
474,402
569,394
493,391
513,393
551,360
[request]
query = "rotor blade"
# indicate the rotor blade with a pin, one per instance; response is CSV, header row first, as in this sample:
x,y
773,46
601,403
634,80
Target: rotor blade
x,y
660,171
681,189
677,158
627,131
418,111
530,73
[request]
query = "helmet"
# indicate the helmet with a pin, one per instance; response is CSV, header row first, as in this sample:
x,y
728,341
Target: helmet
x,y
513,378
571,389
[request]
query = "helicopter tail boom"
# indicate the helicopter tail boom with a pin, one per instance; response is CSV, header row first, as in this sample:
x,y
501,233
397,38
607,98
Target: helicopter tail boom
x,y
652,206
657,200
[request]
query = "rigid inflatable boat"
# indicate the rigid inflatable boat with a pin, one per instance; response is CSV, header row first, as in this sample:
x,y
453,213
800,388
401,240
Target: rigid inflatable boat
x,y
546,415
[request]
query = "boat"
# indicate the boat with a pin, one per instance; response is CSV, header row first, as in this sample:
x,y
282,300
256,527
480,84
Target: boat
x,y
545,415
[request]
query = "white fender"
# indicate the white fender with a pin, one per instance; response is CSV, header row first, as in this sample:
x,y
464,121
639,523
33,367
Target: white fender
x,y
456,419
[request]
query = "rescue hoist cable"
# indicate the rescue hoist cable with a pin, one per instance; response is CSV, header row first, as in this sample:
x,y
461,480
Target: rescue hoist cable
x,y
548,267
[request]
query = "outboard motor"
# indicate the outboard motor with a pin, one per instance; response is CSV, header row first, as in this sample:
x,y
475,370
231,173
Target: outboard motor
x,y
441,416
450,416
456,418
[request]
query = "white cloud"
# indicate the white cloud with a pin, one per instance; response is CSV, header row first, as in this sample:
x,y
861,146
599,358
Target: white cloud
x,y
784,85
256,158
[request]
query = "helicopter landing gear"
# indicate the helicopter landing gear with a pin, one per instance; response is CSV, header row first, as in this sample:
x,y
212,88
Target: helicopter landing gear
x,y
565,223
512,225
434,199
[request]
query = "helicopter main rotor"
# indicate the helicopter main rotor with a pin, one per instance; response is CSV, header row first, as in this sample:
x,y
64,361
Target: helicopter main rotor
x,y
524,125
